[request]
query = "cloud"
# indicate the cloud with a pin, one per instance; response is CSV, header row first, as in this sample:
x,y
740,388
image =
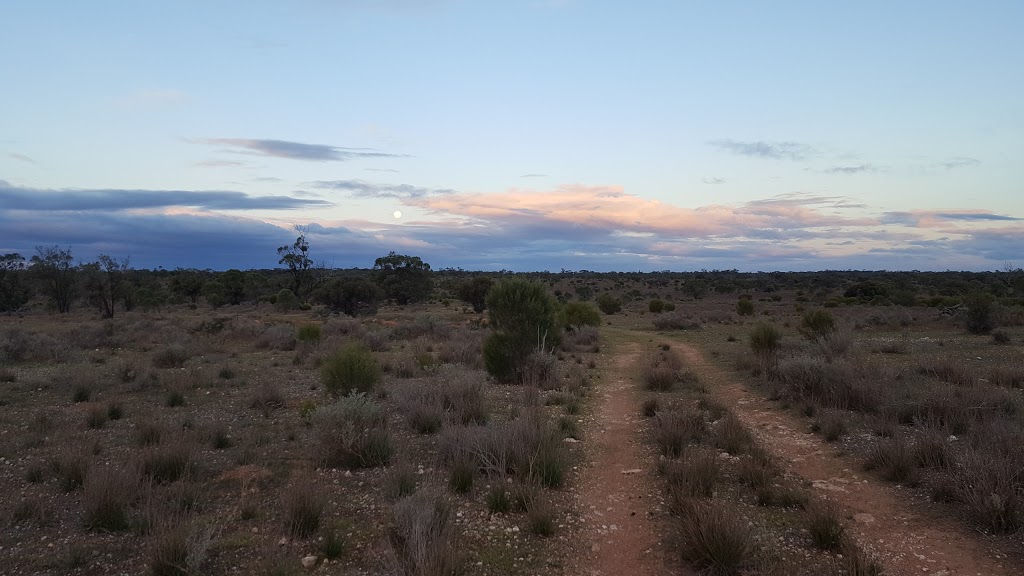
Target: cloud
x,y
534,176
601,209
36,199
219,163
854,169
762,149
958,162
363,189
713,180
295,150
381,170
940,218
21,157
572,226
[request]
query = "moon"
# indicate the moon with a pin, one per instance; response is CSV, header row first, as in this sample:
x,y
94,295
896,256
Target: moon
x,y
398,214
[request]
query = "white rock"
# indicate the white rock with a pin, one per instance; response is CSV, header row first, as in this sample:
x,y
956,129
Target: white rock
x,y
308,562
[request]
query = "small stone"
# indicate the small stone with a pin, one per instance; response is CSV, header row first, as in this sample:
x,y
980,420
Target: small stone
x,y
632,471
282,541
308,562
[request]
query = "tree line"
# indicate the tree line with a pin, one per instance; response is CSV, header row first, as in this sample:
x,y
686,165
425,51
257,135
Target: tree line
x,y
110,284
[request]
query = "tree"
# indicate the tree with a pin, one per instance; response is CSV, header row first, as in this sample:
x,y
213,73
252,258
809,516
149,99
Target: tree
x,y
348,295
55,269
188,284
227,288
474,292
14,293
300,266
524,319
104,283
404,279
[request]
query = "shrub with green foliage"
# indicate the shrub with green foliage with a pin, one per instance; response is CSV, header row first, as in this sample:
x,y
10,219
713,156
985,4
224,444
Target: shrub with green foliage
x,y
352,433
350,295
353,368
576,314
979,317
744,307
309,333
656,306
765,342
817,325
609,304
286,300
403,278
523,317
474,292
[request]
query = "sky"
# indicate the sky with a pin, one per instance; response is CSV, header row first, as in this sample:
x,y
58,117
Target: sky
x,y
516,134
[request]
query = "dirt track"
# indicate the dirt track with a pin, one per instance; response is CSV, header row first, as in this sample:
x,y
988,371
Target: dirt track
x,y
621,494
907,539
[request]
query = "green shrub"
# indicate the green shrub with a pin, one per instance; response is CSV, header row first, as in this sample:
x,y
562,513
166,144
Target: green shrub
x,y
576,314
474,292
656,306
608,303
744,307
501,356
523,317
309,333
670,306
765,342
352,433
980,314
817,324
352,369
286,300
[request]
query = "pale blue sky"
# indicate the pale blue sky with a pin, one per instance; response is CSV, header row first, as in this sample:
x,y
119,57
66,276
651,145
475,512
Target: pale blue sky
x,y
518,134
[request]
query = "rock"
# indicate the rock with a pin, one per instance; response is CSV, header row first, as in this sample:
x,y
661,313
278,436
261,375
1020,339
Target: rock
x,y
282,541
633,471
308,562
863,518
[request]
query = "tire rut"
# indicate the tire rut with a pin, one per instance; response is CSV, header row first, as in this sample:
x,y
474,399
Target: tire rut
x,y
620,495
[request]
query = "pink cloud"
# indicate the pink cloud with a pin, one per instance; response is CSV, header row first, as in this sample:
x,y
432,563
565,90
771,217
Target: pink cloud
x,y
610,208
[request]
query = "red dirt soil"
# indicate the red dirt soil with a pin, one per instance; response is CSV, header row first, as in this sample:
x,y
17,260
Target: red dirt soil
x,y
620,494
